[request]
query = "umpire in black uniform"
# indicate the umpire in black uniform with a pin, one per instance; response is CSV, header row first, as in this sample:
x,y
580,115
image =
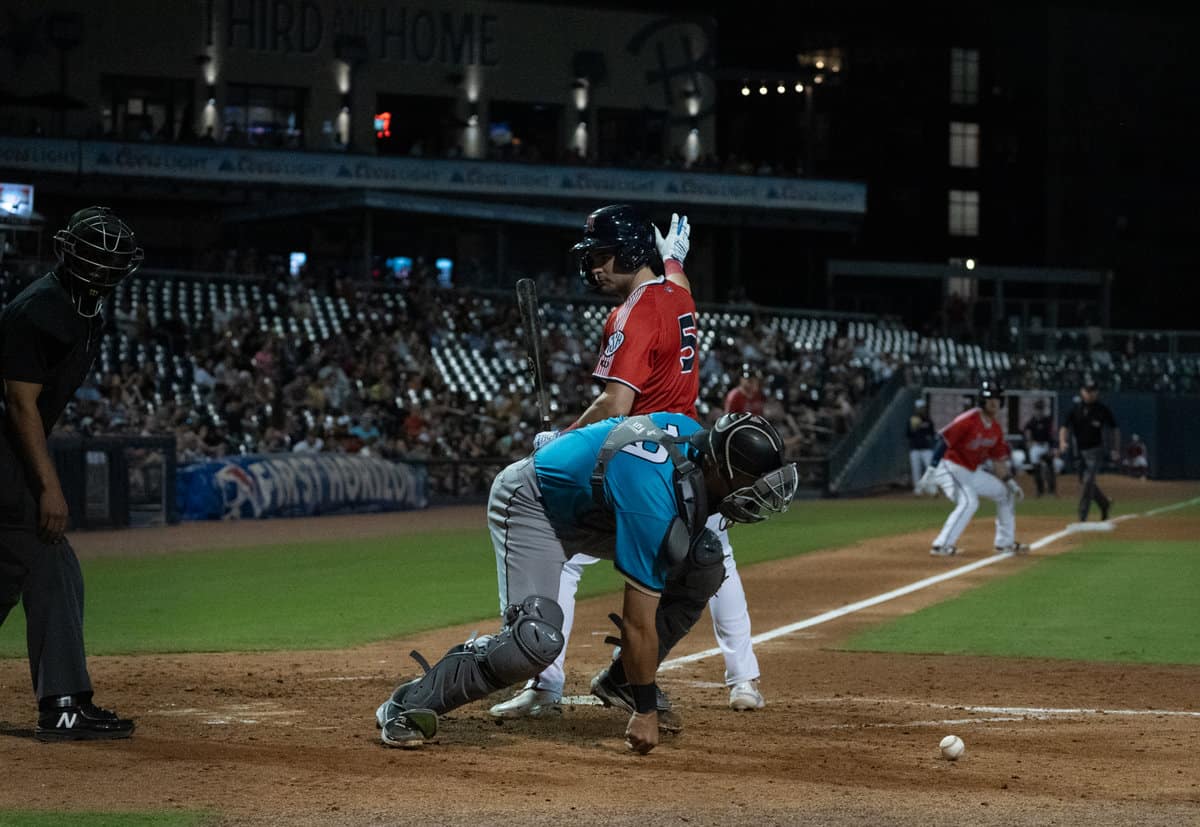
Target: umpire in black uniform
x,y
1086,422
49,336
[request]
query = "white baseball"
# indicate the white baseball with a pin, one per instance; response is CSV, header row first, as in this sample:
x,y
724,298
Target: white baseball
x,y
952,747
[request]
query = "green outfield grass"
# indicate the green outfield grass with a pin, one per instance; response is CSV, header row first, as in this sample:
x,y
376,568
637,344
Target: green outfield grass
x,y
337,594
1110,600
32,818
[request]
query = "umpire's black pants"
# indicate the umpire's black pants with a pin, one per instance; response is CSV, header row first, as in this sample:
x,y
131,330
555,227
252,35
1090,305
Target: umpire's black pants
x,y
1092,460
47,580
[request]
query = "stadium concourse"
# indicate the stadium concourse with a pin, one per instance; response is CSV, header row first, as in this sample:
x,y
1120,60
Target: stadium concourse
x,y
414,371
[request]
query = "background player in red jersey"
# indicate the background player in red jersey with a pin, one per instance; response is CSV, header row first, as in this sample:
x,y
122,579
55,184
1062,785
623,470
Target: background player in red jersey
x,y
974,437
748,395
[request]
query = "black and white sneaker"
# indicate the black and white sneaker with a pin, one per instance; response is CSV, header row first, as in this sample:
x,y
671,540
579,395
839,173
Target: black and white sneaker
x,y
1015,548
620,696
69,719
943,551
409,728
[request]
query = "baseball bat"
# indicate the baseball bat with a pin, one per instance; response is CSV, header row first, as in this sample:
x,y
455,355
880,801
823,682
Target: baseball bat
x,y
527,302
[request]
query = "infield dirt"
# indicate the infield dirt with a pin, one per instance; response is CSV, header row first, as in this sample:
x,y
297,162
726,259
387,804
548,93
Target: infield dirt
x,y
846,738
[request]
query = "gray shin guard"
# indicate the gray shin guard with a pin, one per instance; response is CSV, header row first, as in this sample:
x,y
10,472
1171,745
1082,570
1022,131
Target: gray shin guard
x,y
529,642
688,590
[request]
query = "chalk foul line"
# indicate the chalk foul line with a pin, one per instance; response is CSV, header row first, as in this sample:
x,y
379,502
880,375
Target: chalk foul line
x,y
834,614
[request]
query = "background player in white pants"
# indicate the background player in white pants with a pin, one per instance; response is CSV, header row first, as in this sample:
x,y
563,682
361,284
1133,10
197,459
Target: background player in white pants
x,y
614,258
974,437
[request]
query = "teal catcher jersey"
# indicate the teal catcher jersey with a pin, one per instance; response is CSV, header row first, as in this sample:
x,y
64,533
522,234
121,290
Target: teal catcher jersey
x,y
638,486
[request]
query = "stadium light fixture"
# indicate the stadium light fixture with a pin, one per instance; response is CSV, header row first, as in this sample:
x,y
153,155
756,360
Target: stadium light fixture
x,y
762,90
781,88
745,91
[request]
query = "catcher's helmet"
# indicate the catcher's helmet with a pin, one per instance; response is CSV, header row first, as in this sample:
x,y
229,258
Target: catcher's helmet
x,y
748,454
618,230
96,250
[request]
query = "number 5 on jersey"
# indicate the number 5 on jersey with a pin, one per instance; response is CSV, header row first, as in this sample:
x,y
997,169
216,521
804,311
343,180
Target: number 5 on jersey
x,y
687,342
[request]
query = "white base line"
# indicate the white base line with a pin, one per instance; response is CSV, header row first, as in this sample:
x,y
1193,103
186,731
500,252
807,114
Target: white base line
x,y
834,614
1024,711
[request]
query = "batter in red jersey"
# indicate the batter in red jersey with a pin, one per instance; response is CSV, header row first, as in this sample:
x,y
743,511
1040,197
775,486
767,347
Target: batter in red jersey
x,y
649,361
973,438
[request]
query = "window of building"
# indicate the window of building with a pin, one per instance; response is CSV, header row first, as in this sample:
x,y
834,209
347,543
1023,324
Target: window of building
x,y
147,108
964,76
964,144
631,137
964,212
418,125
268,116
521,131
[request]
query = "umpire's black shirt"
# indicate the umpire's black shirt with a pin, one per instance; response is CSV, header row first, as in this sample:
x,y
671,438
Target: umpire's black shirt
x,y
1087,422
43,341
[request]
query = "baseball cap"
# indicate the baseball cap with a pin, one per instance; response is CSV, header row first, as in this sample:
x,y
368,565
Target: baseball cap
x,y
1089,384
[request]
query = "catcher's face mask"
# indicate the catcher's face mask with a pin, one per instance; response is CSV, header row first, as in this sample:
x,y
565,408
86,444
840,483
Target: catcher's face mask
x,y
771,493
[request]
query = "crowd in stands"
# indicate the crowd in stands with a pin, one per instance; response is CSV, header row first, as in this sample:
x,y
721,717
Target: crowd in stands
x,y
412,370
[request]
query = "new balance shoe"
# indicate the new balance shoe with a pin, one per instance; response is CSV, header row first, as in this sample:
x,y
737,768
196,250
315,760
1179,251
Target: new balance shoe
x,y
744,695
943,551
69,718
620,696
409,729
1015,548
530,702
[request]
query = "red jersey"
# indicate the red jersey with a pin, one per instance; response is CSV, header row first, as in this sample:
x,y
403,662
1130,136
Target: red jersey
x,y
969,442
737,401
651,345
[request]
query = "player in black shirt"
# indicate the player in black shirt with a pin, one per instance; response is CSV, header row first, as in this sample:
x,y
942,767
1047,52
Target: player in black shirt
x,y
1039,440
1086,422
49,336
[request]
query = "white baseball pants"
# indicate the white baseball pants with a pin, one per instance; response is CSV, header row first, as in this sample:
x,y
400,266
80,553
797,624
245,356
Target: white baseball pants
x,y
730,614
964,488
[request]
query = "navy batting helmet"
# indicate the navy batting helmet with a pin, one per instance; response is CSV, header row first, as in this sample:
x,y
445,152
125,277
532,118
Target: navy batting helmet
x,y
96,250
748,454
990,389
618,230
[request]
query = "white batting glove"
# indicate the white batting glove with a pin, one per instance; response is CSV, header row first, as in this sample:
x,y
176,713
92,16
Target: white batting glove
x,y
1015,491
926,483
545,438
677,242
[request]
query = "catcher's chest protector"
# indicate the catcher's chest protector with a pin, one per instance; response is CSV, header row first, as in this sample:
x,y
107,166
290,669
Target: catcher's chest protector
x,y
688,479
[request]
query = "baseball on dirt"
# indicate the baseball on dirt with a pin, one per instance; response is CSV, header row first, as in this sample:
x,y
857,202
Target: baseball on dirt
x,y
952,747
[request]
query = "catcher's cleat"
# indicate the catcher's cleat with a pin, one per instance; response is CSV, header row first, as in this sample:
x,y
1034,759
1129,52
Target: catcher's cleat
x,y
409,728
1015,548
391,706
620,696
530,702
943,551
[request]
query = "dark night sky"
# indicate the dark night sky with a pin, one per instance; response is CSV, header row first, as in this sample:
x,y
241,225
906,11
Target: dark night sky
x,y
1113,182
